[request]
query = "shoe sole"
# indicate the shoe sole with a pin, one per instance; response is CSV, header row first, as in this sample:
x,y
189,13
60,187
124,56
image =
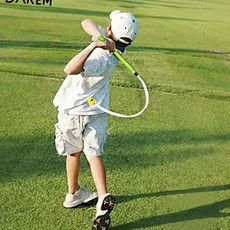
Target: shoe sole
x,y
78,204
102,222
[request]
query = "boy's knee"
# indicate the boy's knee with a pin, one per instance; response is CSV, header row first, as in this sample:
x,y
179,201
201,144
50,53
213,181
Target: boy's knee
x,y
92,159
77,154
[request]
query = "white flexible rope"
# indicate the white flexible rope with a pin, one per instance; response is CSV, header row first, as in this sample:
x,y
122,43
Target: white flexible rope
x,y
93,102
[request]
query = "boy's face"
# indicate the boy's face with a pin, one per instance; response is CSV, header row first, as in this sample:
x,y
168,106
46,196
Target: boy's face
x,y
110,33
119,44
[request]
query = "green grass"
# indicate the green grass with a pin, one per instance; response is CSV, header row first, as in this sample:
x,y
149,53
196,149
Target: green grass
x,y
169,168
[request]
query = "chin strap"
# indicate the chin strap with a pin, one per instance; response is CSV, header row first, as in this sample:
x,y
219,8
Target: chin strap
x,y
92,101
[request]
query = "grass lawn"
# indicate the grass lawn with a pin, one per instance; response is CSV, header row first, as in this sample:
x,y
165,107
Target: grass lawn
x,y
168,168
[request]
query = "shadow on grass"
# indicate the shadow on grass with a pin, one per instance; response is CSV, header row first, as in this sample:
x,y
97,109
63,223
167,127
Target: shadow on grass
x,y
41,44
123,199
183,137
65,45
175,50
167,4
61,10
172,18
212,210
58,10
23,157
160,147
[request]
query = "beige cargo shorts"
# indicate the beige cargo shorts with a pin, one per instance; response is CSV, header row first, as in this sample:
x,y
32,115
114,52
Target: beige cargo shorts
x,y
80,133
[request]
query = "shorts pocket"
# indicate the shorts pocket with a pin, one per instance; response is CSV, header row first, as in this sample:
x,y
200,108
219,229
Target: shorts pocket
x,y
59,140
72,136
104,138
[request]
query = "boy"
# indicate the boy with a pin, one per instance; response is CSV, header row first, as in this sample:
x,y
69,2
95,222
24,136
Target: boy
x,y
82,128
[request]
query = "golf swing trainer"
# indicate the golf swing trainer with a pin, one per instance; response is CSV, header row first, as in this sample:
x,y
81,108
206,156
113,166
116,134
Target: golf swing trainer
x,y
93,31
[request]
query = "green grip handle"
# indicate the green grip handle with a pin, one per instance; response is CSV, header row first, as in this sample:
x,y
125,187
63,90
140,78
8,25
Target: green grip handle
x,y
101,38
130,68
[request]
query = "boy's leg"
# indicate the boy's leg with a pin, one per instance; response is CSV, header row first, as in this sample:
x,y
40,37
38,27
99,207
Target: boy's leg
x,y
106,201
94,138
76,195
97,167
69,142
72,169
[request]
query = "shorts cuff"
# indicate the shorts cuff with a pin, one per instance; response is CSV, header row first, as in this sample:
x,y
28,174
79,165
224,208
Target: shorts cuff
x,y
93,152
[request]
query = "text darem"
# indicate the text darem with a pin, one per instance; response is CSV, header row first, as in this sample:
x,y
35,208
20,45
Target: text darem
x,y
32,2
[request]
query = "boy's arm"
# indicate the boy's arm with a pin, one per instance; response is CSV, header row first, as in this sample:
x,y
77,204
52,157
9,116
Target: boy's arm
x,y
75,65
92,29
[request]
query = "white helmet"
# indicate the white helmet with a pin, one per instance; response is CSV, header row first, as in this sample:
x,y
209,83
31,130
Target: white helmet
x,y
123,25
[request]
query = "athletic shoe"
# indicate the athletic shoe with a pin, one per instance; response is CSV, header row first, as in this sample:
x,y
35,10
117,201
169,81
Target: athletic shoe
x,y
82,196
104,207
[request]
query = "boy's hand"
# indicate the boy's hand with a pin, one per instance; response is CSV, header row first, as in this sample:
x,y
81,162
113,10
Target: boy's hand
x,y
109,44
